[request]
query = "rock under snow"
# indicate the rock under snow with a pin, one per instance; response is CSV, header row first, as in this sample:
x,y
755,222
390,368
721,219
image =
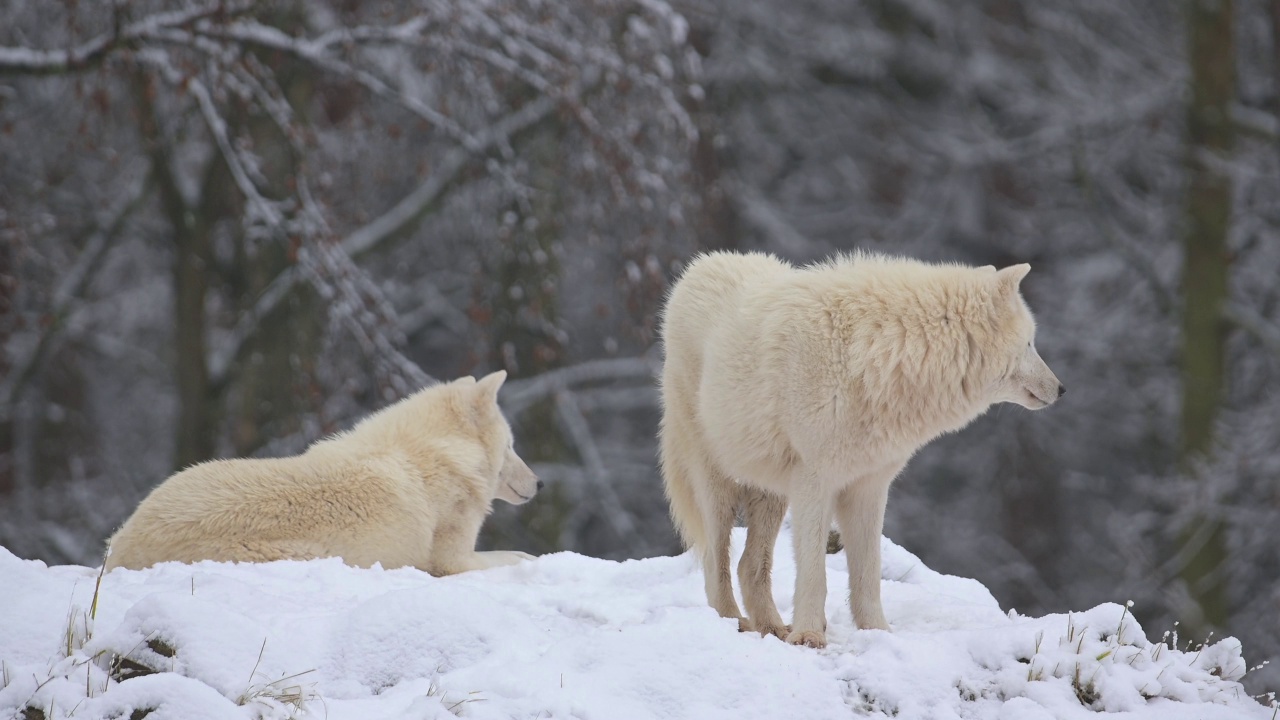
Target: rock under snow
x,y
567,636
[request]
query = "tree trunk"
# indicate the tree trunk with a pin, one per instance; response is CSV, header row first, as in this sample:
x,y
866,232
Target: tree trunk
x,y
1031,517
1210,140
524,338
192,258
195,437
275,386
1275,54
8,321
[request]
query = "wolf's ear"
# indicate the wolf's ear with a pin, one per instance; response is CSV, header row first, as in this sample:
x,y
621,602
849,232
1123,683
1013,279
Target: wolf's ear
x,y
988,268
487,387
1008,279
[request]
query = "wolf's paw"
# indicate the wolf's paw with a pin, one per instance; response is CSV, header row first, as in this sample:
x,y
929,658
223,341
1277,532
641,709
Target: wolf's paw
x,y
498,558
809,638
765,629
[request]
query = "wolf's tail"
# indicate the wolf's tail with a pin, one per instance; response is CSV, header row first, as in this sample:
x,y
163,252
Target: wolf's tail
x,y
684,504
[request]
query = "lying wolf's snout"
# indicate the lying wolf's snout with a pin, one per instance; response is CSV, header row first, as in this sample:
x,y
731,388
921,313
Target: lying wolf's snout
x,y
1062,390
517,483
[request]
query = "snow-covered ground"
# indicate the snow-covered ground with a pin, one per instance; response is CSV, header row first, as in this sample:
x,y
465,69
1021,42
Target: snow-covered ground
x,y
567,636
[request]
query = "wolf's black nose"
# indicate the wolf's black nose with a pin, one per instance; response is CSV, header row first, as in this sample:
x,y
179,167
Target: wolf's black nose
x,y
539,484
1062,390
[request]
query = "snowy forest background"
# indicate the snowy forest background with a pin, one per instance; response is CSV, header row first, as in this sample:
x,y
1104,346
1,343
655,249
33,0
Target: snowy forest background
x,y
229,228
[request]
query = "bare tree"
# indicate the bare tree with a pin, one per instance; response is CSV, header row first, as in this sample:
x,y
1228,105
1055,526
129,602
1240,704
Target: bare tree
x,y
290,156
1205,273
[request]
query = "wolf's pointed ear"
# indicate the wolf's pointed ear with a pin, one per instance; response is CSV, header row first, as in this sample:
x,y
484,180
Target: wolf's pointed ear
x,y
487,387
1008,279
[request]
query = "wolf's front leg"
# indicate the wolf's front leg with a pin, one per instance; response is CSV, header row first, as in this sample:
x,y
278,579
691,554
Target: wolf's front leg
x,y
810,523
472,560
860,513
453,548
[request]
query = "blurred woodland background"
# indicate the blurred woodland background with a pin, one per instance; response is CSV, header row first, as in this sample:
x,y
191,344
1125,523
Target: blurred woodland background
x,y
229,228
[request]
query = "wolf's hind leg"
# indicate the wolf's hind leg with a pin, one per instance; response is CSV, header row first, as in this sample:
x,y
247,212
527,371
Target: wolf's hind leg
x,y
718,501
703,501
764,512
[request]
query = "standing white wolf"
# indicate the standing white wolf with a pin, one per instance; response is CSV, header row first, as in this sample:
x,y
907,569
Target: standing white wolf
x,y
814,386
408,485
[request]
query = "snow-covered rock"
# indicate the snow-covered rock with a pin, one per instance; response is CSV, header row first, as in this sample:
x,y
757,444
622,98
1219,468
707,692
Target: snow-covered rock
x,y
567,636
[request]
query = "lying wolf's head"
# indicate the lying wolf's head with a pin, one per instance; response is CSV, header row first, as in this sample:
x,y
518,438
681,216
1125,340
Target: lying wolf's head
x,y
1026,379
515,482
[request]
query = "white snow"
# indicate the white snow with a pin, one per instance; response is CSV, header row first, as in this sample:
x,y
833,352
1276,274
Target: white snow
x,y
568,636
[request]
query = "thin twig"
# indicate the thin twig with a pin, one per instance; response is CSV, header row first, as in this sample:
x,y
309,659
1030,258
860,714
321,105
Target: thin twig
x,y
1252,322
579,431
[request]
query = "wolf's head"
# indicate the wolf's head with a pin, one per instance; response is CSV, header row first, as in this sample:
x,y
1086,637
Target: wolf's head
x,y
515,482
1026,379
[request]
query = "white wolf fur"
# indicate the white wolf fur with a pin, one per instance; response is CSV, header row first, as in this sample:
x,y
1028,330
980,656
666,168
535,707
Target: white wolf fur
x,y
408,485
814,386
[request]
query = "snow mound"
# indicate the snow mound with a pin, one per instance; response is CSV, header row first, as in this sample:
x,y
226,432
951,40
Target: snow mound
x,y
567,636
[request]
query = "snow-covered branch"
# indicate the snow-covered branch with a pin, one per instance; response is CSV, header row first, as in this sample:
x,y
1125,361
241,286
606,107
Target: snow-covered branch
x,y
31,61
518,395
390,224
1055,133
576,427
413,206
769,219
256,35
1252,322
212,53
1254,122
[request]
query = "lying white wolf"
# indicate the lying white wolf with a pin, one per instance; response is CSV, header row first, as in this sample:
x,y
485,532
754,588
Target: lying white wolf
x,y
408,485
814,386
